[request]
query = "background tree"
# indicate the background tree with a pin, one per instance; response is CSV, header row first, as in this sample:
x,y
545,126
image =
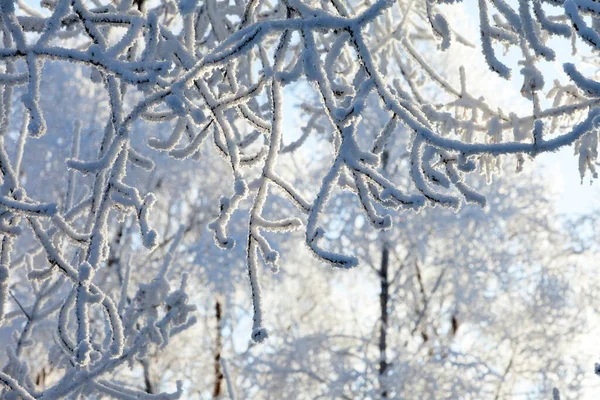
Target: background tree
x,y
436,310
165,77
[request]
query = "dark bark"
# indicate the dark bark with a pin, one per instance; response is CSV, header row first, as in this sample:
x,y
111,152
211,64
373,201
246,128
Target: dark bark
x,y
218,348
384,297
149,387
139,4
40,379
383,305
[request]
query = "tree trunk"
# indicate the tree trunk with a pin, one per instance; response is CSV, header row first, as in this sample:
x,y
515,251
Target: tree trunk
x,y
218,348
383,304
149,387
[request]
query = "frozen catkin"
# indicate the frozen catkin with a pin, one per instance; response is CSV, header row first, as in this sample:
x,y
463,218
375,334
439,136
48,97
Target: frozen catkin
x,y
215,76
